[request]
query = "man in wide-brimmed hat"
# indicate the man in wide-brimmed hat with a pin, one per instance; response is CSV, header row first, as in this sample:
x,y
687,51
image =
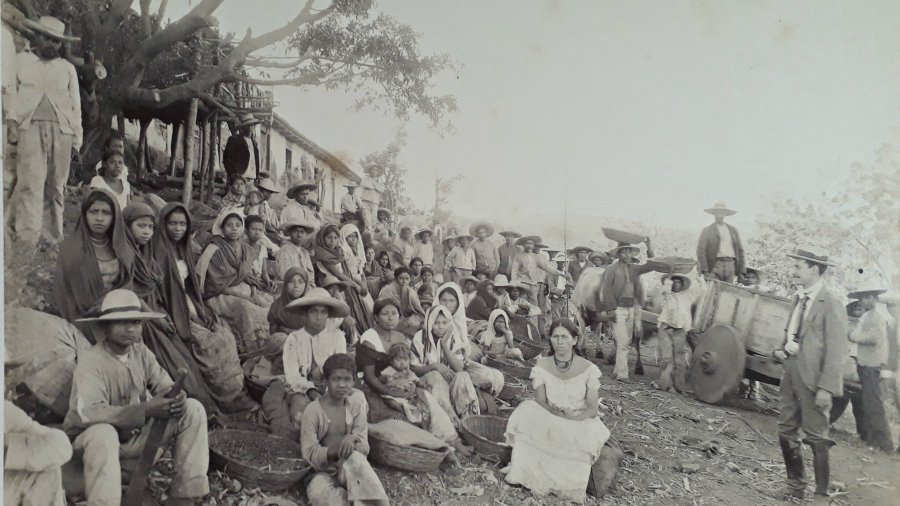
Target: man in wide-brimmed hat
x,y
507,252
44,122
266,188
487,257
532,268
462,258
622,296
581,261
111,412
241,155
720,252
297,208
296,251
599,259
351,205
424,248
870,335
814,352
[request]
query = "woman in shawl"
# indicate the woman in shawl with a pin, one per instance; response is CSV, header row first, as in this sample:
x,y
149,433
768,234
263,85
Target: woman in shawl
x,y
330,260
160,336
372,357
497,338
229,287
355,256
281,321
95,259
212,344
487,378
380,272
483,303
411,313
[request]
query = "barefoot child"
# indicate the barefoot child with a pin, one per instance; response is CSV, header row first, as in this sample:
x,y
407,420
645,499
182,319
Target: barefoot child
x,y
334,439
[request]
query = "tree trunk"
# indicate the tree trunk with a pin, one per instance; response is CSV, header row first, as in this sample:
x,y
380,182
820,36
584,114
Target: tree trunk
x,y
189,158
205,166
142,150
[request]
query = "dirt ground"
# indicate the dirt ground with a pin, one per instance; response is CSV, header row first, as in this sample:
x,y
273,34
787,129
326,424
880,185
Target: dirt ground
x,y
678,450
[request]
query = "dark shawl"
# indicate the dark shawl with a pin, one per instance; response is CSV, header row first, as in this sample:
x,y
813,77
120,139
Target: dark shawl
x,y
230,266
281,319
165,254
78,285
147,275
481,306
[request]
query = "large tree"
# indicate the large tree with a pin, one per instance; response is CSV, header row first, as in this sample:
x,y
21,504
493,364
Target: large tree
x,y
155,69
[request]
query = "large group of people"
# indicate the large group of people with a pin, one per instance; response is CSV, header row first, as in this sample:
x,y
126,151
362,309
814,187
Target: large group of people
x,y
356,322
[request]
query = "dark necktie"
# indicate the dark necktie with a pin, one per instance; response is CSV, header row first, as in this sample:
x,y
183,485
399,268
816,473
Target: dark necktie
x,y
804,302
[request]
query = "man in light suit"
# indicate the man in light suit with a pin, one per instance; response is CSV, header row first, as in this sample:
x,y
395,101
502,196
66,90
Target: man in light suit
x,y
814,352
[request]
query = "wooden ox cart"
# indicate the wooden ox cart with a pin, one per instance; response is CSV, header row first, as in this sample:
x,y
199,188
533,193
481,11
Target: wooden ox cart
x,y
739,331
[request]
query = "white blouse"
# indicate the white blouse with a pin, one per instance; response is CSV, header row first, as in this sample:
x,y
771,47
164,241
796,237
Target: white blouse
x,y
567,393
304,356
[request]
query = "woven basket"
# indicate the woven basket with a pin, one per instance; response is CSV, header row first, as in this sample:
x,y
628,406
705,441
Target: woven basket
x,y
622,236
531,349
255,388
513,393
672,265
487,434
508,367
406,458
251,475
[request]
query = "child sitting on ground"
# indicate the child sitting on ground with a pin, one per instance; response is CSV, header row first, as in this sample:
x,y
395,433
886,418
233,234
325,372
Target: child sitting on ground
x,y
497,338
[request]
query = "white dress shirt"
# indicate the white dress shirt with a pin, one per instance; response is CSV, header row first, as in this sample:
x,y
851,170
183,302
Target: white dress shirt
x,y
57,80
726,246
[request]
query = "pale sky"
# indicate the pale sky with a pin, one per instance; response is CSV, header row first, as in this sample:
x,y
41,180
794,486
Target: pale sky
x,y
651,110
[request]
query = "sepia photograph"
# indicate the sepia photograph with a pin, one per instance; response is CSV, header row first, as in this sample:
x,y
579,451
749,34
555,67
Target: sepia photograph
x,y
509,252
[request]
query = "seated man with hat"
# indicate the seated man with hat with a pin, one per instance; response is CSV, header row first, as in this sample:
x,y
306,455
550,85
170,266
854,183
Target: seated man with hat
x,y
296,252
297,209
814,352
111,408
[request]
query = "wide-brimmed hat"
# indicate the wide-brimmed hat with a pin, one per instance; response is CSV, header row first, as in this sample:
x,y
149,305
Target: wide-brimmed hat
x,y
867,289
468,278
297,222
465,236
448,239
598,254
580,249
720,208
685,281
268,185
424,230
319,297
305,183
518,284
536,239
473,229
246,119
501,281
330,280
809,256
121,304
351,184
53,27
510,233
560,257
615,251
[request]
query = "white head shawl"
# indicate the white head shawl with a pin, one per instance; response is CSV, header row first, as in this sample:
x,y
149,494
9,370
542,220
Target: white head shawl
x,y
359,256
490,334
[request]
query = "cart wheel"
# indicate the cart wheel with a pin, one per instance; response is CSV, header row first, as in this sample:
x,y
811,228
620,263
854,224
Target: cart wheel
x,y
718,363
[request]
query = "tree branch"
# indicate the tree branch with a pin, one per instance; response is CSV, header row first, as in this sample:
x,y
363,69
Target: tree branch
x,y
159,15
251,44
294,81
117,11
145,17
199,17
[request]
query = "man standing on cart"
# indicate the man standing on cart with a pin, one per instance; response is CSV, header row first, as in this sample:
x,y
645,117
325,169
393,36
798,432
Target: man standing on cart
x,y
814,352
720,253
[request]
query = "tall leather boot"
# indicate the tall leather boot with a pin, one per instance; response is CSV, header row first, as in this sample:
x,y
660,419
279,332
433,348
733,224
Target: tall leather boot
x,y
793,463
822,468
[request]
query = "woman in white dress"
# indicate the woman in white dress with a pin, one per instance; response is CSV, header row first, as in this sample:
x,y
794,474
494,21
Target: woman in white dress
x,y
558,436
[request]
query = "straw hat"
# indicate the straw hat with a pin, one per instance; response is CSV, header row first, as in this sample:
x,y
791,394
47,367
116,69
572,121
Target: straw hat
x,y
297,222
865,290
119,305
468,278
448,239
510,233
351,184
473,229
598,254
246,119
560,257
615,251
424,230
319,297
580,249
53,27
465,236
268,185
685,281
533,238
809,256
720,208
330,280
303,184
500,281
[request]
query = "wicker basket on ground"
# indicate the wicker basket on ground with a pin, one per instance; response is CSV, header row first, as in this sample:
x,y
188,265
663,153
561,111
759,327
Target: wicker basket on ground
x,y
406,458
508,367
513,392
486,434
672,265
255,388
531,349
257,459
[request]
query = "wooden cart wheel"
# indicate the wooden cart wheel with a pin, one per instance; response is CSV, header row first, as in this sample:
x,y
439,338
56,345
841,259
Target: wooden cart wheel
x,y
718,363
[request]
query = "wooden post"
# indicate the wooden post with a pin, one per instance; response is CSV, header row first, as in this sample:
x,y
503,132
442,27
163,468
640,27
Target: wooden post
x,y
189,157
142,150
173,147
205,165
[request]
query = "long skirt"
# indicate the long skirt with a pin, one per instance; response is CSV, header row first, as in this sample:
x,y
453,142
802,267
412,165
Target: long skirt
x,y
249,321
173,354
359,310
216,354
552,454
354,482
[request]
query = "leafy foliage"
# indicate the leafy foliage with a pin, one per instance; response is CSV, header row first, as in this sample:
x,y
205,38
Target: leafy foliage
x,y
385,169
